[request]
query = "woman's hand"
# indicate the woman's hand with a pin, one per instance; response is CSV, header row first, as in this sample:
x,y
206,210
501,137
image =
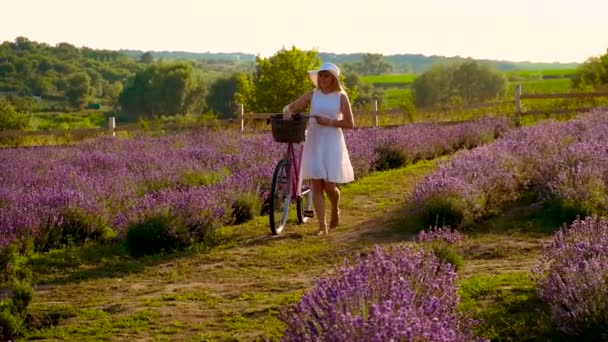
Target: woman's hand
x,y
323,121
286,113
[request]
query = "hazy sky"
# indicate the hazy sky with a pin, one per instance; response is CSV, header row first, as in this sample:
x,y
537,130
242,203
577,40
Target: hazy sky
x,y
516,30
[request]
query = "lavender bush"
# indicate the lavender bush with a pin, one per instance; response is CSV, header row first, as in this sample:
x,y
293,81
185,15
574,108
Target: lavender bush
x,y
443,234
573,278
444,243
404,294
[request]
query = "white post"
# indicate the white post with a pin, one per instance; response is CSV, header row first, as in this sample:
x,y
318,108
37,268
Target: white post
x,y
112,125
518,108
242,114
375,109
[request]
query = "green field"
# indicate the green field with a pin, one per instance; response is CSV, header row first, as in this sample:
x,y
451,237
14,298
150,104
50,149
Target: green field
x,y
389,79
397,88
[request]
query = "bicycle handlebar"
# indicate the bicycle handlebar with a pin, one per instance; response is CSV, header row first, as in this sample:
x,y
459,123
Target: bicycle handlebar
x,y
294,116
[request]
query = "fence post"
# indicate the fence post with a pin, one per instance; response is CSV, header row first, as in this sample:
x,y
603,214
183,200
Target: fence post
x,y
242,115
375,109
112,125
518,107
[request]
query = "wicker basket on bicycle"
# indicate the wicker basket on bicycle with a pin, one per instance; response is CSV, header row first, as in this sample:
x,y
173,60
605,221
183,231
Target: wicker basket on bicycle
x,y
288,131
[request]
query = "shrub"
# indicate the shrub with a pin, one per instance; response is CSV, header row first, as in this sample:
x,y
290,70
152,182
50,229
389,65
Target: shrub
x,y
404,294
573,278
13,311
246,207
561,211
73,226
390,157
444,210
444,234
443,243
157,233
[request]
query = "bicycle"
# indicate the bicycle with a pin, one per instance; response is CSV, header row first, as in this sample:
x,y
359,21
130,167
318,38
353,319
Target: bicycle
x,y
286,183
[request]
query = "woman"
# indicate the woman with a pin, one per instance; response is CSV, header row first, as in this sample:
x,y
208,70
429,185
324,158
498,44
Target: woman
x,y
325,160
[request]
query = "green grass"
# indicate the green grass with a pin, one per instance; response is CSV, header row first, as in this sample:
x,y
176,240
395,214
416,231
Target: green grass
x,y
541,74
83,119
507,306
556,85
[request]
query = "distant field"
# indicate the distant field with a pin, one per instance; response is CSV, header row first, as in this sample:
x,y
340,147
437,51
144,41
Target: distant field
x,y
555,85
522,75
397,87
58,120
542,74
389,79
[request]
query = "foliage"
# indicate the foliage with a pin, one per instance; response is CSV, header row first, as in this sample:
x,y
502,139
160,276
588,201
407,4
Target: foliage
x,y
593,73
72,227
245,207
159,233
11,119
220,99
403,294
31,68
78,89
362,95
371,64
391,157
458,84
446,209
278,80
444,234
167,88
17,273
573,278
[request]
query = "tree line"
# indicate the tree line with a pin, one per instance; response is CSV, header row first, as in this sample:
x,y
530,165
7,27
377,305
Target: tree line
x,y
146,86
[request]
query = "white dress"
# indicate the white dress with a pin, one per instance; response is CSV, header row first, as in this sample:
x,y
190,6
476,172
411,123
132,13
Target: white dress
x,y
325,154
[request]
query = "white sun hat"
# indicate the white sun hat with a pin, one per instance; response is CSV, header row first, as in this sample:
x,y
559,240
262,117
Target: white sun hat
x,y
331,67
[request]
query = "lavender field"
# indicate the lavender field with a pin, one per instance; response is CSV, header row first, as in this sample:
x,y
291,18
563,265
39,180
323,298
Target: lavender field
x,y
437,285
109,183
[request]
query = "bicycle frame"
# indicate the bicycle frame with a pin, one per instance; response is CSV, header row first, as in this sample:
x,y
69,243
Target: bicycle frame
x,y
294,170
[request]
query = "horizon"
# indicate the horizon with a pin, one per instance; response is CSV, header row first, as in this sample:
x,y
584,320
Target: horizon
x,y
546,31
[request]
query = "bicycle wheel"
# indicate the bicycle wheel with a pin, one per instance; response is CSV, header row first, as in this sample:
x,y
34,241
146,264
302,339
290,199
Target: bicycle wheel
x,y
280,197
304,203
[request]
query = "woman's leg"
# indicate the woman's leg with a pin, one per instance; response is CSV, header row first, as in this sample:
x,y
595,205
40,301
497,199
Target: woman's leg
x,y
318,200
334,198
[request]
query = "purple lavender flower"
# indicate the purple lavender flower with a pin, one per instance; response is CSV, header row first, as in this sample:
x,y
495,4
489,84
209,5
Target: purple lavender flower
x,y
573,278
404,294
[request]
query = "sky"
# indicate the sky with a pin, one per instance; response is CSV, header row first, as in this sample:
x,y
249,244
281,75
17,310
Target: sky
x,y
515,30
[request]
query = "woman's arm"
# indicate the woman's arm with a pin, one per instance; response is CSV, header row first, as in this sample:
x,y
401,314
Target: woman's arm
x,y
297,105
347,115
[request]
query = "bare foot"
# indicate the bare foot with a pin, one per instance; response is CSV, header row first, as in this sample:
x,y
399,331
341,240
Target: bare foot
x,y
335,219
322,230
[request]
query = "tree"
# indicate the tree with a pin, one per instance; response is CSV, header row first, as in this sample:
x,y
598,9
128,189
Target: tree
x,y
146,58
370,64
78,89
277,81
220,99
462,83
167,88
593,73
361,94
374,64
111,92
10,118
